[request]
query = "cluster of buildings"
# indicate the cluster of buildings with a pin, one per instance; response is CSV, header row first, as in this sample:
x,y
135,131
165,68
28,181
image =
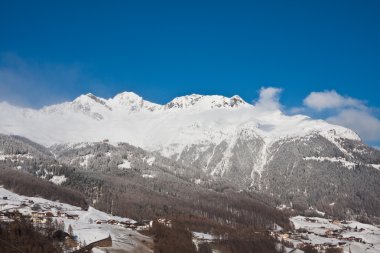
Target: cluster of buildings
x,y
44,216
301,237
140,225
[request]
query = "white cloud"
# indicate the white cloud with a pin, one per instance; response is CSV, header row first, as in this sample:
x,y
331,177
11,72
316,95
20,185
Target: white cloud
x,y
361,121
331,100
269,99
344,111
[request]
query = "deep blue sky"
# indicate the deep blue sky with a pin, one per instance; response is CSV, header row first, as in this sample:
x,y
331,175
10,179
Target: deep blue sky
x,y
163,49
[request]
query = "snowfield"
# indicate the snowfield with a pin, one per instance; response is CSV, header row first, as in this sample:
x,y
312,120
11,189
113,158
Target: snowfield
x,y
341,160
125,165
317,228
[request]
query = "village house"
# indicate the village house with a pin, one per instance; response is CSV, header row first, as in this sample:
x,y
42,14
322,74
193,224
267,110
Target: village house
x,y
165,222
72,216
336,222
112,222
354,239
131,226
146,224
61,214
284,236
41,217
328,233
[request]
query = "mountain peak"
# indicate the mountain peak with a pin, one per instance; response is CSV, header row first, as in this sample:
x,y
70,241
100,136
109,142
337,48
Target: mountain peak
x,y
127,95
127,99
89,98
205,102
131,101
236,100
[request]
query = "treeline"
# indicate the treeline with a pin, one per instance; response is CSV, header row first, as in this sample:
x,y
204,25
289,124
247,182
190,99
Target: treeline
x,y
172,240
255,244
178,238
132,196
312,249
21,236
13,144
230,239
25,184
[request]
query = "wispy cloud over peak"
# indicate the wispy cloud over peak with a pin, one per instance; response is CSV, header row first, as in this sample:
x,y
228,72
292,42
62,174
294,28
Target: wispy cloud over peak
x,y
331,100
363,122
269,99
343,110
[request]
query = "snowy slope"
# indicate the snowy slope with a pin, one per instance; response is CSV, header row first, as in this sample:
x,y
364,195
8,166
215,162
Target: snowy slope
x,y
369,234
85,228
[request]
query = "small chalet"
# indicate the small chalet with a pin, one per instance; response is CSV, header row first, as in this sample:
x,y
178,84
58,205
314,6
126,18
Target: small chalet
x,y
72,216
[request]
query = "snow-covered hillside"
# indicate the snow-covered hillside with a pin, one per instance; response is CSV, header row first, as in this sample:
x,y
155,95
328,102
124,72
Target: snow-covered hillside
x,y
352,236
89,226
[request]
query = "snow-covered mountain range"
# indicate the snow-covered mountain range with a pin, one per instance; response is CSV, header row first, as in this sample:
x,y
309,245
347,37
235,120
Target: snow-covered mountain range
x,y
253,147
190,122
128,117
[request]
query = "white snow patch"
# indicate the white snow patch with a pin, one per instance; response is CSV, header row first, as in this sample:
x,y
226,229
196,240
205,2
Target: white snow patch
x,y
151,160
15,158
58,179
203,236
148,176
343,161
85,159
125,165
